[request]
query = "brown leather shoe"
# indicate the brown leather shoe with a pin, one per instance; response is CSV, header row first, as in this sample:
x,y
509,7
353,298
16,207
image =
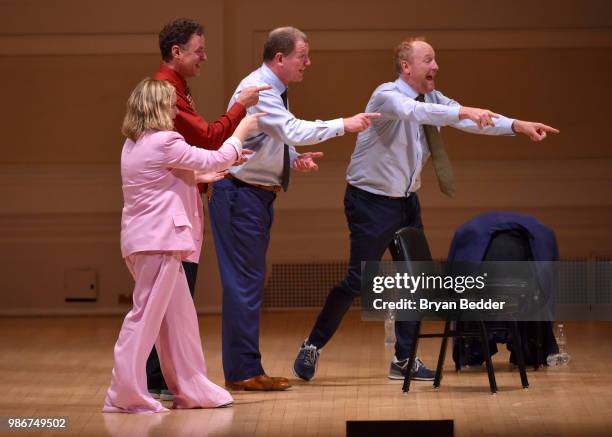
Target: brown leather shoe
x,y
260,383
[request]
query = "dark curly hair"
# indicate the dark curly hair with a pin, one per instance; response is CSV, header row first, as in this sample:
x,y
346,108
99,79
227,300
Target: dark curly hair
x,y
177,32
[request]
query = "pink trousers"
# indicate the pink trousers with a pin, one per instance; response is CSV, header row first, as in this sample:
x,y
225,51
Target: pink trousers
x,y
163,314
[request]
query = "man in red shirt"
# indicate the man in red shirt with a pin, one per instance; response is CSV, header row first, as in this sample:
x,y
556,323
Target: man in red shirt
x,y
182,46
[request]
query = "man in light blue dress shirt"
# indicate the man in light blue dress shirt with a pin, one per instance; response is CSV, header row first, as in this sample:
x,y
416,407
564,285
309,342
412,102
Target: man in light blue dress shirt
x,y
241,207
383,177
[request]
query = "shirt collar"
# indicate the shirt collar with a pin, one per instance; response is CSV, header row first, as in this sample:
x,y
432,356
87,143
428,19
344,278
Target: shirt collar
x,y
174,77
271,79
405,88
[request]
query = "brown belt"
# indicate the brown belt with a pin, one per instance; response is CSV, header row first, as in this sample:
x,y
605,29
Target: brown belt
x,y
270,188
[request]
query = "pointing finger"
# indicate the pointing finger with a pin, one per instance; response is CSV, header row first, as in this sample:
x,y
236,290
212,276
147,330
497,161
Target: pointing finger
x,y
549,129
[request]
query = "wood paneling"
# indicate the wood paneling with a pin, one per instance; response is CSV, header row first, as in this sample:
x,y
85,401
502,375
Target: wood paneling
x,y
68,66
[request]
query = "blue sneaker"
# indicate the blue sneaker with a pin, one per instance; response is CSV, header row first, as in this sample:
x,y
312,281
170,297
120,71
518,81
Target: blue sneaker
x,y
419,371
305,364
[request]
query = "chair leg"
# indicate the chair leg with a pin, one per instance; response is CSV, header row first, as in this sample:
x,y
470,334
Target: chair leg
x,y
539,347
518,351
412,359
442,355
487,353
459,341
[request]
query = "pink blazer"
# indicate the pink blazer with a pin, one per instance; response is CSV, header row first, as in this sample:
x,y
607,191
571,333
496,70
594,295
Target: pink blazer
x,y
161,204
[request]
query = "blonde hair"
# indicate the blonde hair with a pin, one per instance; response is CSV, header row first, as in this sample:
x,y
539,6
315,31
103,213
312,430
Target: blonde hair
x,y
403,52
149,107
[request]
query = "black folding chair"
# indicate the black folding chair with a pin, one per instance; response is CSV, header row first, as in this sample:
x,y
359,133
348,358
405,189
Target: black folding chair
x,y
410,244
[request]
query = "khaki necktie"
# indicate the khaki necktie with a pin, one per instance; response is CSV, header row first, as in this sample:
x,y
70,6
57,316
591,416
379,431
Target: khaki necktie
x,y
441,163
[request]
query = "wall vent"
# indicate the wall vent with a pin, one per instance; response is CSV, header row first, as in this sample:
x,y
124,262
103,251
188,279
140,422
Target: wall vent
x,y
303,285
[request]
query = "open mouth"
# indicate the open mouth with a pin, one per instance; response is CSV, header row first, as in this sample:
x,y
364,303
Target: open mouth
x,y
429,77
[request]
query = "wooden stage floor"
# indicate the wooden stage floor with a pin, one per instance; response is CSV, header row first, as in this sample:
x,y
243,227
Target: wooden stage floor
x,y
61,367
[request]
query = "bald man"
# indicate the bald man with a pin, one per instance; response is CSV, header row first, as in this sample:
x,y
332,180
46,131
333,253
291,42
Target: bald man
x,y
383,177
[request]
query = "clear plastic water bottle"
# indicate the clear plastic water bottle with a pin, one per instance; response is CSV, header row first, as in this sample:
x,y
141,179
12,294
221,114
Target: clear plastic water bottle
x,y
390,328
562,358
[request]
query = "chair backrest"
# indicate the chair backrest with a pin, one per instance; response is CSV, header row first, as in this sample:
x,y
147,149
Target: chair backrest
x,y
517,283
508,245
410,244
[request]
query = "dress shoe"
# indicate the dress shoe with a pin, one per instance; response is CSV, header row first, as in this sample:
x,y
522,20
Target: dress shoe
x,y
259,383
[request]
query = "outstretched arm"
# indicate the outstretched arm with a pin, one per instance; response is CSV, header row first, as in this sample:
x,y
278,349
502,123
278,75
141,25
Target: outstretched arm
x,y
280,123
501,125
396,106
179,154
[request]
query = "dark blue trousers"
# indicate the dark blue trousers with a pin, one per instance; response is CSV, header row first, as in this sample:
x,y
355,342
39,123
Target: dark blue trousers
x,y
372,221
241,217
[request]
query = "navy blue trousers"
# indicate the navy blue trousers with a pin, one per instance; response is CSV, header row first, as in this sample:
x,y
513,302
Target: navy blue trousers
x,y
372,221
241,217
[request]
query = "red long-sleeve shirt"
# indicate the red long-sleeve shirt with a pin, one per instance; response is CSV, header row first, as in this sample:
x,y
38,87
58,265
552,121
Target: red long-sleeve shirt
x,y
197,131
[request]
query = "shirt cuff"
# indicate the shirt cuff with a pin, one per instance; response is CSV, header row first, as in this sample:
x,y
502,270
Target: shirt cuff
x,y
453,113
293,154
236,144
504,124
337,127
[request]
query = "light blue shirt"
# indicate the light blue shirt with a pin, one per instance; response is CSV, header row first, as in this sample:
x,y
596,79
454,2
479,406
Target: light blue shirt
x,y
278,127
390,155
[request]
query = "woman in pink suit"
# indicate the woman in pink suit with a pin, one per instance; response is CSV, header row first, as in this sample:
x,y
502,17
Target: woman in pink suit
x,y
161,225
